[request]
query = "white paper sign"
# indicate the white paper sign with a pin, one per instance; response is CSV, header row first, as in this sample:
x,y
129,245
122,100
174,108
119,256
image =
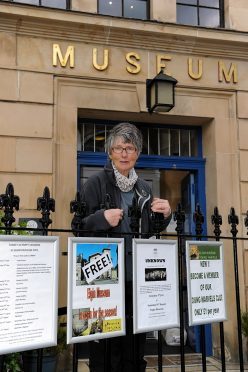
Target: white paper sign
x,y
96,295
155,285
206,282
28,292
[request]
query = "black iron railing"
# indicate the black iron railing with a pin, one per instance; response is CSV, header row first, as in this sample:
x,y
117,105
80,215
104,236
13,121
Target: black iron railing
x,y
9,203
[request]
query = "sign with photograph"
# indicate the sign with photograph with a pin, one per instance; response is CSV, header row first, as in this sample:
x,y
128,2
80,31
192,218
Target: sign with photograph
x,y
155,285
28,292
96,307
206,282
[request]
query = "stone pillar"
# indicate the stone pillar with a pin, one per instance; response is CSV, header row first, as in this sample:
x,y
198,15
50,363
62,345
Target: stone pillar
x,y
163,11
236,14
89,6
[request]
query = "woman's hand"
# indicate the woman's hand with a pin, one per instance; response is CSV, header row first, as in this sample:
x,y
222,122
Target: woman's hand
x,y
113,216
161,206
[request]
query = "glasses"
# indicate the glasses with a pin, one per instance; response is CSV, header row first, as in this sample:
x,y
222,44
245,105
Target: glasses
x,y
128,149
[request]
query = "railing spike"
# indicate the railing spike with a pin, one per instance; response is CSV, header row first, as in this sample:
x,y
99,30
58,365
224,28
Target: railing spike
x,y
8,202
216,220
198,220
45,204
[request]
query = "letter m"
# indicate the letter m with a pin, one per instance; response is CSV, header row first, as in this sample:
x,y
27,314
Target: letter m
x,y
228,74
69,55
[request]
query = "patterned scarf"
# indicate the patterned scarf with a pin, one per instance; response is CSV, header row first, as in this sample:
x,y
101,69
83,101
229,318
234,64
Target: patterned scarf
x,y
125,184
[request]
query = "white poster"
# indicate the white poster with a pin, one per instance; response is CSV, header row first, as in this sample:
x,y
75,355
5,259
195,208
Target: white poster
x,y
155,285
96,305
206,282
28,292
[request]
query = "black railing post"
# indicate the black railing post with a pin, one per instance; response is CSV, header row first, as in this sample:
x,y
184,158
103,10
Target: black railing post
x,y
157,219
2,357
216,220
108,204
233,220
79,208
134,212
199,220
179,217
8,202
45,204
246,220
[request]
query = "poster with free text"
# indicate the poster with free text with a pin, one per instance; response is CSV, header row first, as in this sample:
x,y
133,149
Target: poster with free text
x,y
96,307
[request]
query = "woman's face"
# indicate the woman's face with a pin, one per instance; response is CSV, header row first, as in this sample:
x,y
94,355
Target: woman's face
x,y
123,161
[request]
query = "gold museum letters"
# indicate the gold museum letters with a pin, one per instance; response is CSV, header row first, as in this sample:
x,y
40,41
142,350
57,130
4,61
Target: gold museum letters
x,y
134,64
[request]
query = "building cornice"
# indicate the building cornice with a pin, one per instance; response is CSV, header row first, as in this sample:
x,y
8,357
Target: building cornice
x,y
107,31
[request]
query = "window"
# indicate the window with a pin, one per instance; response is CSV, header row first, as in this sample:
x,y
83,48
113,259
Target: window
x,y
59,4
124,8
162,141
206,13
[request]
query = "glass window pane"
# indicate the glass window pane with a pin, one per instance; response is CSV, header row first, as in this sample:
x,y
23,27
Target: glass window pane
x,y
209,17
100,138
193,143
210,3
193,2
144,132
34,2
174,142
110,7
164,141
184,142
108,129
61,4
153,141
187,15
135,9
88,137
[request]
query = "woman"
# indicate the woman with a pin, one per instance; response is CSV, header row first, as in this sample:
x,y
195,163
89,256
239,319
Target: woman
x,y
109,194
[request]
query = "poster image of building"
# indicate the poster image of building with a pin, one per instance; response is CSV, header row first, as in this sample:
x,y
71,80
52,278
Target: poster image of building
x,y
155,274
94,257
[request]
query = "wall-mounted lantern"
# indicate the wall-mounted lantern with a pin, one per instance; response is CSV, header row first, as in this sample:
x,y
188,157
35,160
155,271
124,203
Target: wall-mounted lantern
x,y
160,93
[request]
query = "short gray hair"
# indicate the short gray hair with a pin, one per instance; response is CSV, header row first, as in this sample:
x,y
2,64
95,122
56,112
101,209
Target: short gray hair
x,y
128,132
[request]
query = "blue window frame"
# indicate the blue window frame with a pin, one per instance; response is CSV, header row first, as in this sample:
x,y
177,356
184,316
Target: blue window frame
x,y
138,9
206,13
